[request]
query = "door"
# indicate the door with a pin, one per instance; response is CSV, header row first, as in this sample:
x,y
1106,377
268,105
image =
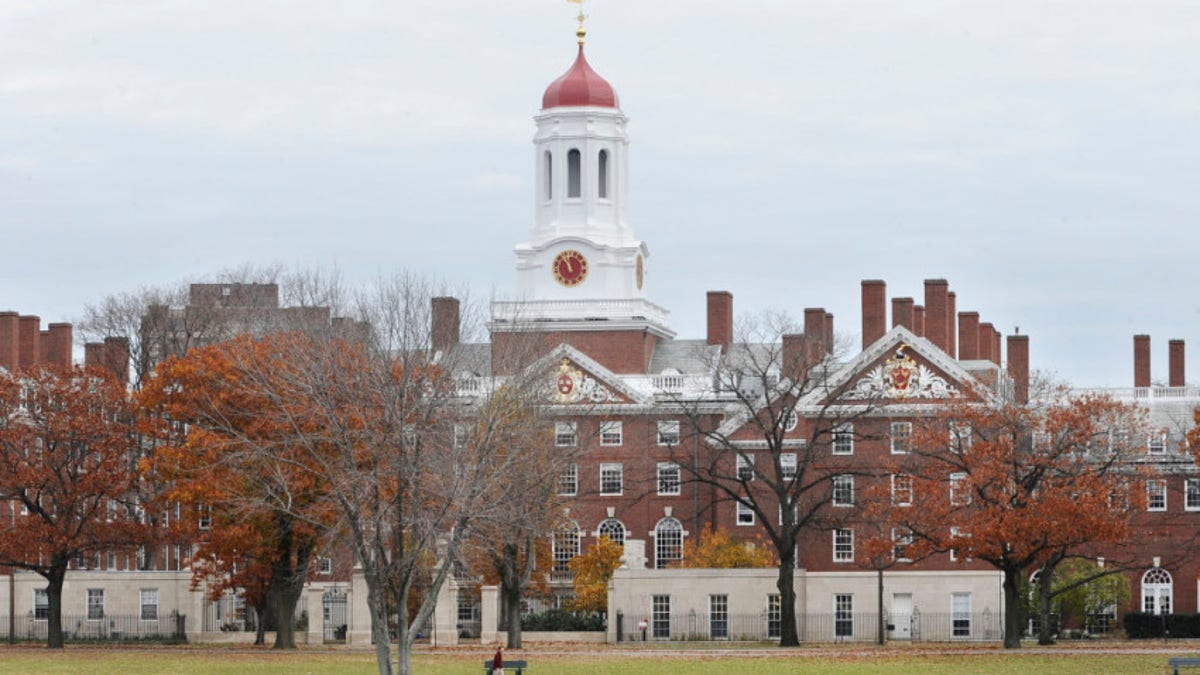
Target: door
x,y
901,619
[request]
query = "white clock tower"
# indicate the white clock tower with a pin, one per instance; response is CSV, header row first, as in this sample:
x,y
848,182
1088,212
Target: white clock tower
x,y
581,268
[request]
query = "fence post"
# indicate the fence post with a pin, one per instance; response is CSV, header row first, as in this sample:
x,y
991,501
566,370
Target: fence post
x,y
620,625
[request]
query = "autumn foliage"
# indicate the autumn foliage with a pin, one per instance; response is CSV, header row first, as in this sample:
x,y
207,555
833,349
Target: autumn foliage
x,y
717,549
593,570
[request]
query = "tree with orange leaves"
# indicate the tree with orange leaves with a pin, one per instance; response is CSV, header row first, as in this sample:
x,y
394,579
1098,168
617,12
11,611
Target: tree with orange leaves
x,y
68,456
1021,486
717,549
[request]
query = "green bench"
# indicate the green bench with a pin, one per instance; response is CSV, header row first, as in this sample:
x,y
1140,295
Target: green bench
x,y
510,667
1183,662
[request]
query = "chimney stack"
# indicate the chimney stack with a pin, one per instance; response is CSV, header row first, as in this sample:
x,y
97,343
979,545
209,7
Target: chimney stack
x,y
968,336
919,320
445,327
997,356
795,356
1141,360
985,342
874,311
116,357
814,331
720,319
951,312
29,329
936,302
1175,358
828,333
58,352
1018,366
10,341
902,313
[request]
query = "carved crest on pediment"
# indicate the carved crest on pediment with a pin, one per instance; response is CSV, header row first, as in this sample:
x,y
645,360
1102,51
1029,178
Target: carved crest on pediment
x,y
901,377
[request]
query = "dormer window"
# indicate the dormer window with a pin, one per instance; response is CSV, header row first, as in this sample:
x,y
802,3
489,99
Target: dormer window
x,y
602,173
573,172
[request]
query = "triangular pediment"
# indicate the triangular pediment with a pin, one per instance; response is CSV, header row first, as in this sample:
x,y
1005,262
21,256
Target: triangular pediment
x,y
574,378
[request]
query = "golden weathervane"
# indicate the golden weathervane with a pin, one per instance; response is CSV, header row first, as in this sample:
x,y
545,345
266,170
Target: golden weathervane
x,y
580,32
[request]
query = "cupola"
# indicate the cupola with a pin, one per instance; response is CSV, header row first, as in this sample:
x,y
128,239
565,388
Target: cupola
x,y
580,86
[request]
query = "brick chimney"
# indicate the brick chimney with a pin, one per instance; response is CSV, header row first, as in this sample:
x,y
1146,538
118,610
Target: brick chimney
x,y
985,342
814,330
1141,360
720,319
828,333
30,329
936,305
1018,366
94,355
58,352
874,311
445,322
919,320
1175,358
968,336
10,341
902,312
795,356
951,334
997,356
116,357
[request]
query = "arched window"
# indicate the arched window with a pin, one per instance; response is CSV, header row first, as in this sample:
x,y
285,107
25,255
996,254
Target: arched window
x,y
1157,591
549,176
614,530
668,542
566,546
573,181
602,172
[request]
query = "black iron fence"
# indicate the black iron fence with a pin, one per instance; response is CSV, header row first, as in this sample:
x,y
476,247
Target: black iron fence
x,y
111,627
812,627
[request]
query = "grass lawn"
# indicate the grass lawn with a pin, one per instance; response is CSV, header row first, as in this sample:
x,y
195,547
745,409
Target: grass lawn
x,y
566,660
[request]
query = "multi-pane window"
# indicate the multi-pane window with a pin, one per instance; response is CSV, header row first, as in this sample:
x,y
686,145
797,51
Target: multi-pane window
x,y
1156,495
660,614
787,465
843,439
902,489
613,529
1157,591
901,540
1191,488
41,604
668,542
718,617
205,520
960,613
565,434
612,478
568,480
901,437
957,533
745,514
611,433
668,432
95,604
668,478
790,420
566,547
959,495
843,545
843,490
324,566
149,604
960,437
745,467
462,435
1157,444
774,616
843,615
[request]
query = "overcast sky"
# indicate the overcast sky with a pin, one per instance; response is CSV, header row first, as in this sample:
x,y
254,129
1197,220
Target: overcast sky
x,y
1043,156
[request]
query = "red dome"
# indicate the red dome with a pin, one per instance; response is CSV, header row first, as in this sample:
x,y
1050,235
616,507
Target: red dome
x,y
580,86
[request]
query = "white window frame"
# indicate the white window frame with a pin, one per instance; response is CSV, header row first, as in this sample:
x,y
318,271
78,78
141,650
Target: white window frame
x,y
745,463
959,496
788,466
145,594
668,528
565,546
897,431
1156,444
95,610
745,514
462,434
204,521
1158,597
44,595
907,478
566,434
846,554
960,437
900,544
960,618
616,469
790,420
843,484
324,566
608,527
1156,487
612,434
1191,494
665,469
843,439
568,481
668,432
843,615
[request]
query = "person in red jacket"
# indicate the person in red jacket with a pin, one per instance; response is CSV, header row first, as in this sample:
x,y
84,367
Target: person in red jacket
x,y
498,662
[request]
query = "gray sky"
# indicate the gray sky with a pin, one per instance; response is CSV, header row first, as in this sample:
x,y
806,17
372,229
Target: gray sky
x,y
1043,156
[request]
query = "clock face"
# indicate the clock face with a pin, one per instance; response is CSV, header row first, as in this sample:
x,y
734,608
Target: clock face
x,y
641,272
570,268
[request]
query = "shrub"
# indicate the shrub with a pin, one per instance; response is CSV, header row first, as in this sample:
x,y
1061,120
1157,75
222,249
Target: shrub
x,y
1139,625
562,620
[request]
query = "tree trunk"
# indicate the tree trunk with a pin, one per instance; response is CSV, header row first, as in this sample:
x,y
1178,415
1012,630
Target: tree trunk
x,y
261,610
510,595
879,636
1012,608
789,635
54,628
1045,582
379,628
